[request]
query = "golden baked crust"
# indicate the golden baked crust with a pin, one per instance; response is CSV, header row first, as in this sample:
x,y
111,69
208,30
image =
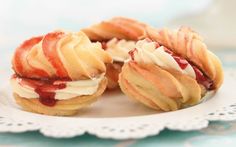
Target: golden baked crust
x,y
120,28
60,55
172,71
117,27
159,89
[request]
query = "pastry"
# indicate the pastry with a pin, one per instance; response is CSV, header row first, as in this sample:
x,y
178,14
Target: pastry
x,y
58,73
190,45
118,36
171,70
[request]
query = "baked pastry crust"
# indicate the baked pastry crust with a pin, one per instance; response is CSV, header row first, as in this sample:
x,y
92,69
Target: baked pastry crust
x,y
63,61
158,89
119,28
190,45
167,76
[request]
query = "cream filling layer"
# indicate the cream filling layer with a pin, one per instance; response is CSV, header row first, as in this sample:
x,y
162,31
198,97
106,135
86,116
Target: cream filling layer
x,y
118,49
148,53
72,89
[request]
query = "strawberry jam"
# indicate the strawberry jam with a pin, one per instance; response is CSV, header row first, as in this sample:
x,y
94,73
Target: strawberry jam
x,y
104,45
47,93
181,62
45,88
200,77
131,53
203,79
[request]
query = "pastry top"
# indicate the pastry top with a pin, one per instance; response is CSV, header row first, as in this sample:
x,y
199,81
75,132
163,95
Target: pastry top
x,y
60,55
150,52
117,27
189,45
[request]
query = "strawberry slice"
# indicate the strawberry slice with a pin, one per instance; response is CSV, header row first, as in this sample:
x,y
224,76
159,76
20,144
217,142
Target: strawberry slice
x,y
21,66
49,46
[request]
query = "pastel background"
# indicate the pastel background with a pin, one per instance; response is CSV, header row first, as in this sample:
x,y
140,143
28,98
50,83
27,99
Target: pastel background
x,y
215,19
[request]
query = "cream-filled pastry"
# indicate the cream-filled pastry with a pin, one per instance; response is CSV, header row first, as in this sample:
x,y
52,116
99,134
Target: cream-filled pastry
x,y
118,36
59,73
163,78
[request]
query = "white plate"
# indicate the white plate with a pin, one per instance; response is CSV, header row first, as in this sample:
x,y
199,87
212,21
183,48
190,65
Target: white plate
x,y
115,116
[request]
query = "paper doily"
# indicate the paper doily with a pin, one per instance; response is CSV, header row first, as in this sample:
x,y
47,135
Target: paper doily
x,y
115,116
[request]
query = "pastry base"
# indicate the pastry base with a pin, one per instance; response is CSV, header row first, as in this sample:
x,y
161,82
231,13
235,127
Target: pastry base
x,y
167,90
62,107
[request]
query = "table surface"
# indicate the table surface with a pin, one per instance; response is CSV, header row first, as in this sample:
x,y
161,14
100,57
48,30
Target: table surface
x,y
17,24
